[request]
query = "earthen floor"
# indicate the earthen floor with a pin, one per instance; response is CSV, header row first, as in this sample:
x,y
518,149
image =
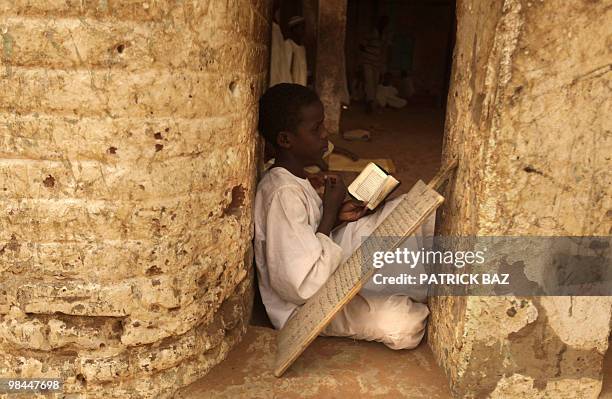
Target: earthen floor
x,y
411,137
606,391
329,368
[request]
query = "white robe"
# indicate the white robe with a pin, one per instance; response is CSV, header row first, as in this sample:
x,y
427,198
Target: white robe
x,y
294,261
388,95
280,63
297,60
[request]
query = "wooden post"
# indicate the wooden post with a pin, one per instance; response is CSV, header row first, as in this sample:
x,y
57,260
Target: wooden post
x,y
329,68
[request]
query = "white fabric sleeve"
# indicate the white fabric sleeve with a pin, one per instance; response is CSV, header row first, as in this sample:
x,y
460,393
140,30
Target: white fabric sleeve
x,y
299,260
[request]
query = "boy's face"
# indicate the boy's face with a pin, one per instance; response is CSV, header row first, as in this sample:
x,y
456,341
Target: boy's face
x,y
309,142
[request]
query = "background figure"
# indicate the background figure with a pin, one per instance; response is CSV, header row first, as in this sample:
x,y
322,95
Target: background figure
x,y
386,94
296,52
279,57
357,85
373,54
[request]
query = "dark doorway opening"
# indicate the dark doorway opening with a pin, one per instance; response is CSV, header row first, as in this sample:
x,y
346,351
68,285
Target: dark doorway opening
x,y
417,61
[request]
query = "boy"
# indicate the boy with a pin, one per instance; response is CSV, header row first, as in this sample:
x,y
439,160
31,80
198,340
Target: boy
x,y
295,248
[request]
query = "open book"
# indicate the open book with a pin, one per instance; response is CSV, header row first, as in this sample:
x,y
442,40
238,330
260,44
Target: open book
x,y
372,185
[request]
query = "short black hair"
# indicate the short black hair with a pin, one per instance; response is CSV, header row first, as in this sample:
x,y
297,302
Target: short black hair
x,y
280,107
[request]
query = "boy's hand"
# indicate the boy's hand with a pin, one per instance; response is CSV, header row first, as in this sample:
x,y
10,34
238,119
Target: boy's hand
x,y
352,211
334,194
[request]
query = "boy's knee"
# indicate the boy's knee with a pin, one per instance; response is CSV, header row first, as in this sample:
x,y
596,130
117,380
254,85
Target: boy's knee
x,y
405,334
405,340
401,326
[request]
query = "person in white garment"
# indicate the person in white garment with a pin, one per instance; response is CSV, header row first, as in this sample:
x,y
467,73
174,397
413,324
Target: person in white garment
x,y
280,61
297,242
314,173
374,50
323,166
296,52
388,95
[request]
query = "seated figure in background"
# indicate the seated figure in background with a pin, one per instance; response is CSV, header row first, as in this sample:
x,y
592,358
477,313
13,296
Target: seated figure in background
x,y
387,94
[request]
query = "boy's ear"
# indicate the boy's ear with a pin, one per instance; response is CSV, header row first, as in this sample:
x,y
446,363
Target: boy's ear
x,y
283,140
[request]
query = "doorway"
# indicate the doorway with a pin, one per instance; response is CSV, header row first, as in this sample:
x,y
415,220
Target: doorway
x,y
417,63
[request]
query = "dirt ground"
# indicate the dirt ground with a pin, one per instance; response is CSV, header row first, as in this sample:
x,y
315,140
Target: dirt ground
x,y
329,368
606,390
411,137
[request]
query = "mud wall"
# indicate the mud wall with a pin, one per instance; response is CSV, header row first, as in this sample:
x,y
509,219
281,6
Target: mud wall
x,y
525,118
127,171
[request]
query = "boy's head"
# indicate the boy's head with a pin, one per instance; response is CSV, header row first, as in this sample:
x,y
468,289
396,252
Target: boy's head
x,y
291,119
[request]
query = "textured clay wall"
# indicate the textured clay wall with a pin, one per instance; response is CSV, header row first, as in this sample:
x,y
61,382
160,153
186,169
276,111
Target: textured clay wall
x,y
527,120
127,170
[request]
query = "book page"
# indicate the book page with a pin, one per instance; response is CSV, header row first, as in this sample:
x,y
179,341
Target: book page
x,y
375,201
389,184
368,184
